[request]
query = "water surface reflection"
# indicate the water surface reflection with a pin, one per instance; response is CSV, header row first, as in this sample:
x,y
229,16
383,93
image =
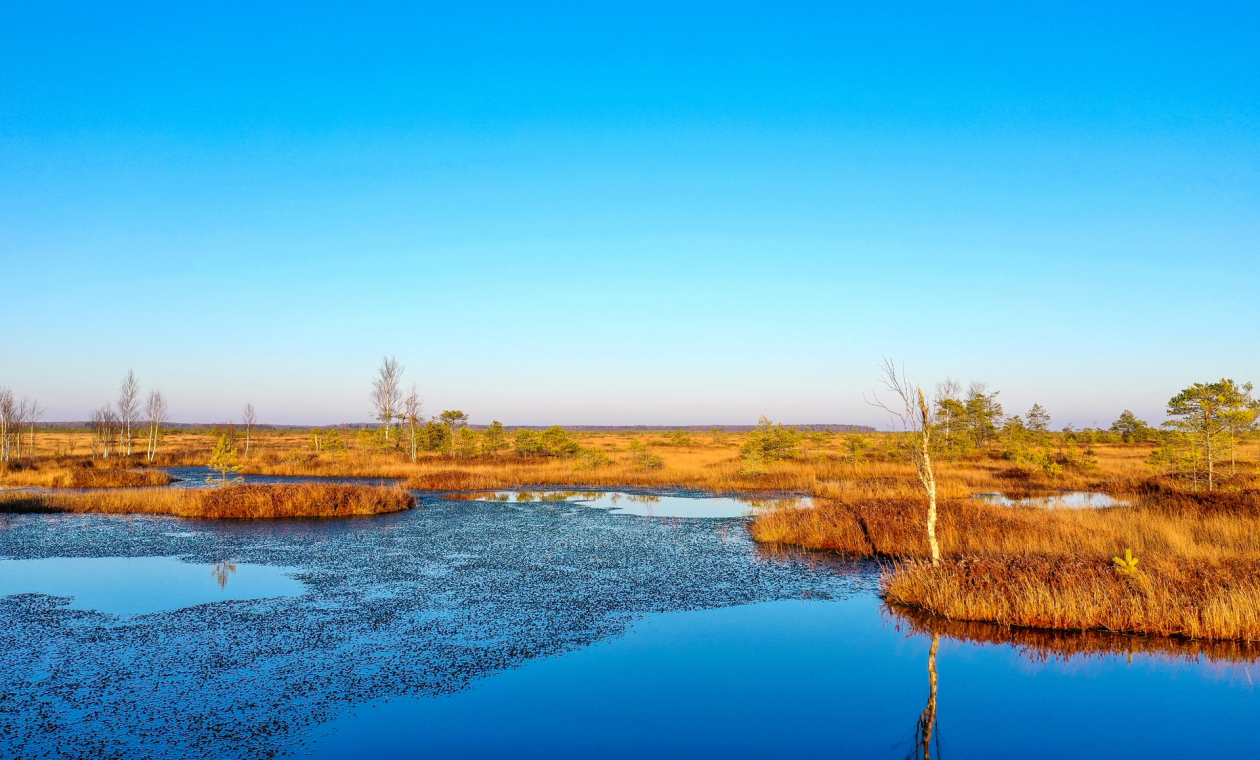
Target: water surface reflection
x,y
825,678
141,585
1054,500
646,504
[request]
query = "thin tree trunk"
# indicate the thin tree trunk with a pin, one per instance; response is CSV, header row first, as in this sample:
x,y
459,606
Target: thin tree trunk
x,y
929,479
1207,434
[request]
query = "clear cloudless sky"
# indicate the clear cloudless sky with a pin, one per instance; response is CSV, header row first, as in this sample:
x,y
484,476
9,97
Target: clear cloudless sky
x,y
621,213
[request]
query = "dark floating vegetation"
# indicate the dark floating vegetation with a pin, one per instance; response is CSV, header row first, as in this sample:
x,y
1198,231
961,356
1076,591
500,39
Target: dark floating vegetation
x,y
422,602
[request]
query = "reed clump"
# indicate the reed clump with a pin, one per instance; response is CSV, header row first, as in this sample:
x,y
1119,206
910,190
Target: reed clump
x,y
79,478
49,476
303,500
893,527
1169,597
244,502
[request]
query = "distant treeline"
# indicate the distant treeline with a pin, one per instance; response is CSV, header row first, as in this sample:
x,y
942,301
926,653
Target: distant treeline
x,y
809,428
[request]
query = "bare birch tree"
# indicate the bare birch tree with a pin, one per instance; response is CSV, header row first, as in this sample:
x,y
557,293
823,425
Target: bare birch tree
x,y
33,412
910,410
103,424
8,421
413,407
249,418
949,409
158,415
128,408
386,393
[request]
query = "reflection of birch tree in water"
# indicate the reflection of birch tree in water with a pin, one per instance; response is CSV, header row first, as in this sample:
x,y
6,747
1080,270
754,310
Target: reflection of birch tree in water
x,y
926,728
222,571
648,500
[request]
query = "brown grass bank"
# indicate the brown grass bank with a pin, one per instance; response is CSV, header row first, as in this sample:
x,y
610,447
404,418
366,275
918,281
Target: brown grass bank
x,y
1169,524
1170,597
83,477
247,502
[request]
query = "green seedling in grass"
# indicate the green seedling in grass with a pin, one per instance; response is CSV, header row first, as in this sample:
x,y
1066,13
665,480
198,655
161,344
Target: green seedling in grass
x,y
1126,565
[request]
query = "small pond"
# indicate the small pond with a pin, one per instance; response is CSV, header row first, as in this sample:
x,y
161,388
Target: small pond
x,y
1056,500
126,586
648,505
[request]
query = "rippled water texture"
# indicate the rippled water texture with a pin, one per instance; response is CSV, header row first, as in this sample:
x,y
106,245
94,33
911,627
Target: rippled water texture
x,y
554,629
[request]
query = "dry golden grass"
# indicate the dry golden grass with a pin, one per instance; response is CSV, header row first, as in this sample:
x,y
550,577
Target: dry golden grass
x,y
708,465
711,465
250,502
116,478
1205,599
893,526
1199,555
81,473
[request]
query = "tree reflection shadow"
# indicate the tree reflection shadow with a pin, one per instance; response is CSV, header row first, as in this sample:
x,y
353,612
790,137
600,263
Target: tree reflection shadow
x,y
926,729
1043,645
222,571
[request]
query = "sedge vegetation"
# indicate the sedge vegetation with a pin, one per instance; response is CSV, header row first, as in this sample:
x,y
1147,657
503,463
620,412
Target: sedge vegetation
x,y
245,502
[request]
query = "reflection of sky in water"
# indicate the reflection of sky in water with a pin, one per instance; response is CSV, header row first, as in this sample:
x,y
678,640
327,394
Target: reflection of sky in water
x,y
651,505
1064,499
140,585
791,679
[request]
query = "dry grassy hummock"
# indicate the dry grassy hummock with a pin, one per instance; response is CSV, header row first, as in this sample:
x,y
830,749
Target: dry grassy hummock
x,y
252,502
893,527
305,500
118,478
83,477
1200,600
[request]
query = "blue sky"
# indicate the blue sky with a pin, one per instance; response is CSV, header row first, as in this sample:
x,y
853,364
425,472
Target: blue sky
x,y
627,213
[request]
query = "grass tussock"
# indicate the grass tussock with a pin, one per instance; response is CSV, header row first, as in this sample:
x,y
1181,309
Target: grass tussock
x,y
117,478
83,477
893,527
1168,597
249,502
